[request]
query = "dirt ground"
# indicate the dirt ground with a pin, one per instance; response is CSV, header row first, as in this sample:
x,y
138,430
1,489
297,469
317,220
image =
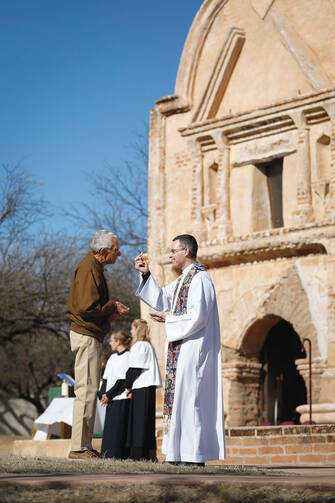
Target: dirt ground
x,y
36,480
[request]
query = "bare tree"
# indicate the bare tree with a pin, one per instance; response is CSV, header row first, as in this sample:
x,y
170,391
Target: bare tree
x,y
30,365
20,206
34,279
120,199
34,285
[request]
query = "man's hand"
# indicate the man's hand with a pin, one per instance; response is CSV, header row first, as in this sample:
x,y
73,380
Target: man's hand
x,y
160,317
141,264
121,308
129,393
104,400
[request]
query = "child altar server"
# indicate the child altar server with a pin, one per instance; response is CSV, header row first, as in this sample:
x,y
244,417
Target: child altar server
x,y
142,379
113,394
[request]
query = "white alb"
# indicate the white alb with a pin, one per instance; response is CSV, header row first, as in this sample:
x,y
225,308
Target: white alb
x,y
197,421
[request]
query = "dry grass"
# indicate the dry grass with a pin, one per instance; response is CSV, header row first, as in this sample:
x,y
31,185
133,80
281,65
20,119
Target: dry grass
x,y
17,464
146,493
209,493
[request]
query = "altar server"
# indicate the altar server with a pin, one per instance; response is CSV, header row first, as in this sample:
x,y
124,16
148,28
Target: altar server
x,y
142,379
193,406
113,394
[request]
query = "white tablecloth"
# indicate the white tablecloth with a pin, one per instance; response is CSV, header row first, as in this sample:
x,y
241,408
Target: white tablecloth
x,y
60,411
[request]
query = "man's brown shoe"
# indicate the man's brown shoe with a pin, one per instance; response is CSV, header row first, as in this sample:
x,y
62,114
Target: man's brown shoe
x,y
86,454
96,453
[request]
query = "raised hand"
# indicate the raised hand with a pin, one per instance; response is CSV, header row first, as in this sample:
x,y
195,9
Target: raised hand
x,y
141,263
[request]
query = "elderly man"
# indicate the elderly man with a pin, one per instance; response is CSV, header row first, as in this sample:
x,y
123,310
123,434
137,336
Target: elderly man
x,y
90,311
193,420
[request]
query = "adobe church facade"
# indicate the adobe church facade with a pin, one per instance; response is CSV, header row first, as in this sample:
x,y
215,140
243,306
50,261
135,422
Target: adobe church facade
x,y
242,155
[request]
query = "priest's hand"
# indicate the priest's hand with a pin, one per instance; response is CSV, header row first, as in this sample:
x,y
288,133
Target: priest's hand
x,y
160,317
141,263
121,308
104,399
129,393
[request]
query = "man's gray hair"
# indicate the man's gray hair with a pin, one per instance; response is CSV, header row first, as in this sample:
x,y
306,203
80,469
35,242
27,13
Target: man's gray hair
x,y
102,239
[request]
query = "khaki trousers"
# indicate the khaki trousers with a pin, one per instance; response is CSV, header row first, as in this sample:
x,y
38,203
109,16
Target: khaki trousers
x,y
87,370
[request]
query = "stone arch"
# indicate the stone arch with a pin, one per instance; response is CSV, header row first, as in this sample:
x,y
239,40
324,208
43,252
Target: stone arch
x,y
264,306
258,314
193,48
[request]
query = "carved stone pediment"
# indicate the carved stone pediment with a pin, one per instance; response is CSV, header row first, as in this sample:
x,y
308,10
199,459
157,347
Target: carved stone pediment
x,y
220,76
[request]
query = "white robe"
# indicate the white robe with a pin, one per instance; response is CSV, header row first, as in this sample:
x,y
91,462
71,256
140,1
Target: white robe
x,y
116,368
197,421
143,356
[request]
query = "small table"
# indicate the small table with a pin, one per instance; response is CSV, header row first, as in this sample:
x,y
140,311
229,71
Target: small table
x,y
57,419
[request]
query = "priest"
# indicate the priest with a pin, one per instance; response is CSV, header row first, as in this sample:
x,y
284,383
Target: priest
x,y
193,419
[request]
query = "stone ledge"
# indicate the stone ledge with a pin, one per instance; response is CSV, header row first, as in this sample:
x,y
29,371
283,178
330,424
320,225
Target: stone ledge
x,y
261,431
56,448
251,116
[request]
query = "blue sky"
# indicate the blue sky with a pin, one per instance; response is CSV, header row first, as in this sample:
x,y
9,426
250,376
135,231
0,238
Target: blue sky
x,y
78,80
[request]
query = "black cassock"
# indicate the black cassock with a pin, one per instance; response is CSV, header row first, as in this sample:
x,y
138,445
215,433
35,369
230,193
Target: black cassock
x,y
141,437
117,412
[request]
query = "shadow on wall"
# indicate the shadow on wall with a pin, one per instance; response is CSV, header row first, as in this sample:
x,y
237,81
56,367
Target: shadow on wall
x,y
16,416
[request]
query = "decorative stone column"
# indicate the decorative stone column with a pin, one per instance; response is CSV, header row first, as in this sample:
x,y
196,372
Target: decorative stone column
x,y
199,227
223,214
241,382
322,413
329,375
304,210
330,204
323,408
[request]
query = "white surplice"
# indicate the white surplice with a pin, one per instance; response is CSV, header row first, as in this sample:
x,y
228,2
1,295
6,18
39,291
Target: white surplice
x,y
143,356
197,421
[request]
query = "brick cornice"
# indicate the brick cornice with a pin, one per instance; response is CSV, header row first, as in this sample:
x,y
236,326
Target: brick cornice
x,y
270,119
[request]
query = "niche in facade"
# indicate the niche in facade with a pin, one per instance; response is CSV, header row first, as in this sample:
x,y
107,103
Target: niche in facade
x,y
323,157
209,182
268,195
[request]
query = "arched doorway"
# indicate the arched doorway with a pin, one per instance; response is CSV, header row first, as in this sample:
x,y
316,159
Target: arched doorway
x,y
282,387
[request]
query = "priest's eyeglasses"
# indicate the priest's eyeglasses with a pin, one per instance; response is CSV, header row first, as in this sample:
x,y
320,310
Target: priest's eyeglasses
x,y
173,251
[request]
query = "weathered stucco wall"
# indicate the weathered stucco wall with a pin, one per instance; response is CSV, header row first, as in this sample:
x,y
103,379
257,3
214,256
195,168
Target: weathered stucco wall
x,y
243,157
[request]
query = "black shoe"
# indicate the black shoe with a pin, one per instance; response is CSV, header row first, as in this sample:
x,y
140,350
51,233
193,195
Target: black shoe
x,y
190,463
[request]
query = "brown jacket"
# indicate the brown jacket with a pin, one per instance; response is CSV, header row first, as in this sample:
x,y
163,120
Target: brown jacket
x,y
89,306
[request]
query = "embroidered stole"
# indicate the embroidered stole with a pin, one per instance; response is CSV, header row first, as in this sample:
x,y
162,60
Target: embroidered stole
x,y
180,307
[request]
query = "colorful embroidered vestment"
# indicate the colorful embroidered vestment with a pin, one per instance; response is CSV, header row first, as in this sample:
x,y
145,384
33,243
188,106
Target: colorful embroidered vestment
x,y
174,347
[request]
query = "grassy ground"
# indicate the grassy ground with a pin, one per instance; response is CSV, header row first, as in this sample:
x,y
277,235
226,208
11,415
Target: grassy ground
x,y
17,464
209,493
141,493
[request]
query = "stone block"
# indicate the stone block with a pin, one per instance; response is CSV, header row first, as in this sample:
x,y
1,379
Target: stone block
x,y
270,449
284,460
56,448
